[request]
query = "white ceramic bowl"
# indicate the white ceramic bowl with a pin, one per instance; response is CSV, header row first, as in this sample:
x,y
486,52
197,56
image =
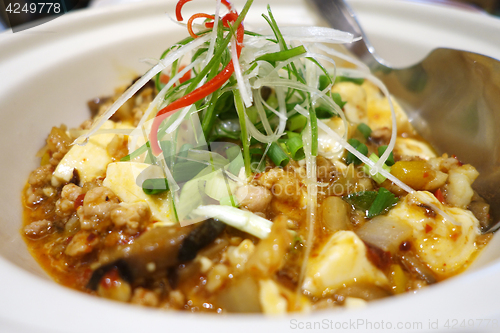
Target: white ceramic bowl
x,y
49,72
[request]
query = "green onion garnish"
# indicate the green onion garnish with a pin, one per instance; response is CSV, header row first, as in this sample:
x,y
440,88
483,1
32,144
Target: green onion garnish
x,y
324,112
324,81
379,178
296,147
365,130
296,122
390,159
361,147
282,55
338,100
277,155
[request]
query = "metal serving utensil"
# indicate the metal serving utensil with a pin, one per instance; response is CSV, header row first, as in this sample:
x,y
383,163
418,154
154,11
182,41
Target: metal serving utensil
x,y
452,98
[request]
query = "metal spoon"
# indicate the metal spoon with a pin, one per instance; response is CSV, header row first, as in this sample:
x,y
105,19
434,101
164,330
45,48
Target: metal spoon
x,y
452,98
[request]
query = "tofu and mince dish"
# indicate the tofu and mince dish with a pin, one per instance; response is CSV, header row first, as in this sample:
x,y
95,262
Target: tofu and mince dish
x,y
247,172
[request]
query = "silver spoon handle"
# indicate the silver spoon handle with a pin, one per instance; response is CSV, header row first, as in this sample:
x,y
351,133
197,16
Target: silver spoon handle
x,y
339,15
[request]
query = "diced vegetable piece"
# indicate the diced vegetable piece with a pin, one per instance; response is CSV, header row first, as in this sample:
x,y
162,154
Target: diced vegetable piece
x,y
334,213
243,287
415,174
399,279
385,233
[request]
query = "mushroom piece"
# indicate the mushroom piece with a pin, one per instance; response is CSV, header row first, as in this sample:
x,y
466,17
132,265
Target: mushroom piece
x,y
153,252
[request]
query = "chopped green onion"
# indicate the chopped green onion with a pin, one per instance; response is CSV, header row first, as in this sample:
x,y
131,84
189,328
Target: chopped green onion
x,y
390,159
358,81
338,100
365,130
256,151
384,201
155,186
296,147
277,155
379,178
361,147
324,112
296,122
324,81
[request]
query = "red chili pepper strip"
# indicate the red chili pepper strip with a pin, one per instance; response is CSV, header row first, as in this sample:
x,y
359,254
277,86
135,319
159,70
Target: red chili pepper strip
x,y
186,76
197,94
439,195
194,17
181,4
164,78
